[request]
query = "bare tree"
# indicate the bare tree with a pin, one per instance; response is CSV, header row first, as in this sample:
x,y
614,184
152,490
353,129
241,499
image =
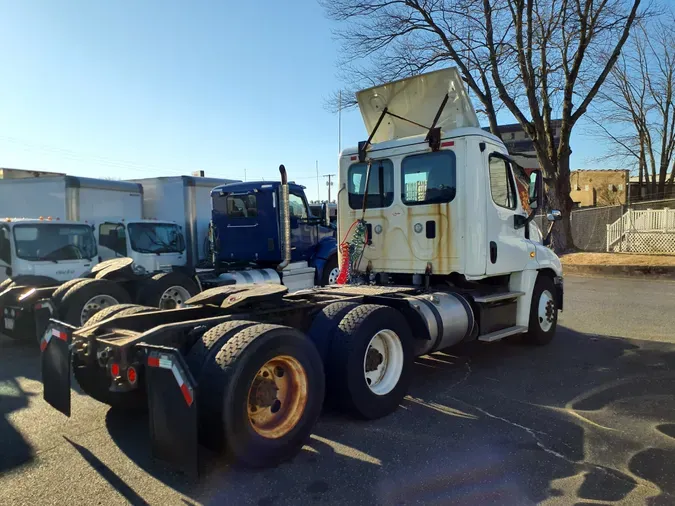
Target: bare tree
x,y
539,59
638,104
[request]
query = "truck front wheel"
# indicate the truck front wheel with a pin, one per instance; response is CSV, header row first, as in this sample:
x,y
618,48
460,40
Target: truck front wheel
x,y
330,271
543,312
167,290
369,367
88,297
266,390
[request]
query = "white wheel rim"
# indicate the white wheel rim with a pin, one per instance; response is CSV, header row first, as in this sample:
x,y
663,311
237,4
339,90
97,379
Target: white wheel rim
x,y
383,362
94,305
546,311
173,297
333,276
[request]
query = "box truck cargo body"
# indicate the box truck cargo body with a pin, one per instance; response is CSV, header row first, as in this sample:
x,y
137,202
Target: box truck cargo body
x,y
185,200
71,198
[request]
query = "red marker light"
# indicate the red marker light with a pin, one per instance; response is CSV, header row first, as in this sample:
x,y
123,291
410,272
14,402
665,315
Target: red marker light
x,y
131,375
353,158
115,370
447,144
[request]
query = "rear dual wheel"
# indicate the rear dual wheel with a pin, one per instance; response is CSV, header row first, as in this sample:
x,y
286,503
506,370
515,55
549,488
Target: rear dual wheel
x,y
368,354
261,394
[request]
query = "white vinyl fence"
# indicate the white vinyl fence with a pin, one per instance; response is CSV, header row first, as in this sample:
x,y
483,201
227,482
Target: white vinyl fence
x,y
643,231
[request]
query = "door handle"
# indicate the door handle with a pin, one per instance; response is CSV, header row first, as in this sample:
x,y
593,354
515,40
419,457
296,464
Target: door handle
x,y
493,252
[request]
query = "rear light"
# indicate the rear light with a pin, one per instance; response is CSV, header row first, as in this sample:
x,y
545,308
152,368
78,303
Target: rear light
x,y
132,376
115,370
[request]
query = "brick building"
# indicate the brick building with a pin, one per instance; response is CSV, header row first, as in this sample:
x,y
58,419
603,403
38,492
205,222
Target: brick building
x,y
599,187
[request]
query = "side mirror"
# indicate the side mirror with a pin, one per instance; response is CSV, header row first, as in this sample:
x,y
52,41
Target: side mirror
x,y
535,190
554,215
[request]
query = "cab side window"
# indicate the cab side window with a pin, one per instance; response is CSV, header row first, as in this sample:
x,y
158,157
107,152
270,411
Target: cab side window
x,y
297,207
5,250
501,183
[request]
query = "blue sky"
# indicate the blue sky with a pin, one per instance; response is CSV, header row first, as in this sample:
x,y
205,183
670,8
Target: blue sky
x,y
144,88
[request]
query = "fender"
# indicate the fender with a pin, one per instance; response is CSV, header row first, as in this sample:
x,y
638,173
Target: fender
x,y
325,249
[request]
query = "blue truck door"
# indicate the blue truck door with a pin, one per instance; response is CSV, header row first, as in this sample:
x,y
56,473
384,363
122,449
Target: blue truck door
x,y
303,231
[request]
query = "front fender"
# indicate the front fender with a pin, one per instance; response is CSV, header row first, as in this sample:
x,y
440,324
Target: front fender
x,y
325,249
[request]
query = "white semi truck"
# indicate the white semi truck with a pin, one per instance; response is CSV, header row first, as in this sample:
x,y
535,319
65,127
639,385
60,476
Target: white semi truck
x,y
436,250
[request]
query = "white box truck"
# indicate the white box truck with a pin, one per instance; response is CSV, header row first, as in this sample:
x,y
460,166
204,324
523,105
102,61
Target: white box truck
x,y
149,244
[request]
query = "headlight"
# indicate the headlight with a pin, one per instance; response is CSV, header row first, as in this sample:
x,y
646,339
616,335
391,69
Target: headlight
x,y
138,269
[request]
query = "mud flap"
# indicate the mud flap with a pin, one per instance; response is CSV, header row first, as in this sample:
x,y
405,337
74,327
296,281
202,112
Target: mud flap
x,y
172,407
56,360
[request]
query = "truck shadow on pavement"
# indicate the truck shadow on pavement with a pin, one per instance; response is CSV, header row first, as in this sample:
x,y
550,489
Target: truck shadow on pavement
x,y
587,418
19,360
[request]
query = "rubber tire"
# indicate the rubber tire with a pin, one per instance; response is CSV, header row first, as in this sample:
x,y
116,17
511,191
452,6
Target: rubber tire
x,y
94,380
152,289
344,366
58,294
535,335
331,263
75,298
325,325
211,342
229,376
111,311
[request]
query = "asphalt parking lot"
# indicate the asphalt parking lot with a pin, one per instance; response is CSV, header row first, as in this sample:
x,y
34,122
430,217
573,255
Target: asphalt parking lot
x,y
589,419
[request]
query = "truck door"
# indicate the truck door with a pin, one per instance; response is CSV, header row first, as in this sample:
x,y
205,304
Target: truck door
x,y
303,233
112,240
508,249
5,253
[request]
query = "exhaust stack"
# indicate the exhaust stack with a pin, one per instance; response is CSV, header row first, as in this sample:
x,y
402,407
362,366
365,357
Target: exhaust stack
x,y
285,218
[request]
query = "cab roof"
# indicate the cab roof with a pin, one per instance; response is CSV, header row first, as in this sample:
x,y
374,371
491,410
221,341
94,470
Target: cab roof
x,y
249,186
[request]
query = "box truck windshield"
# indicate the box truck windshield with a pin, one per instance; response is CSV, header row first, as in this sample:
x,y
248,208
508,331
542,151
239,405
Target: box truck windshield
x,y
53,242
156,238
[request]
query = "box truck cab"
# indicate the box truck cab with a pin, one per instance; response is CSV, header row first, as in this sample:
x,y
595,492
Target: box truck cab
x,y
152,245
59,250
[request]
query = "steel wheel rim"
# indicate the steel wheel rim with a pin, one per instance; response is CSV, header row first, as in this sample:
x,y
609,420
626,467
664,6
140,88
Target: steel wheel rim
x,y
333,275
277,397
383,362
546,310
94,305
173,297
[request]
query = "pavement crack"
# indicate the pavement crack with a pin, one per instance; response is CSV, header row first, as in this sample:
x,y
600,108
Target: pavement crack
x,y
533,433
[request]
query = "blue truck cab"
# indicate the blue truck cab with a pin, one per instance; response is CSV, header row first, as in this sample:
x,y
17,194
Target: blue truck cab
x,y
247,228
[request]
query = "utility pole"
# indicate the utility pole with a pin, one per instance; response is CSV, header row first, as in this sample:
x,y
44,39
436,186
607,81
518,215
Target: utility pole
x,y
329,183
244,174
318,192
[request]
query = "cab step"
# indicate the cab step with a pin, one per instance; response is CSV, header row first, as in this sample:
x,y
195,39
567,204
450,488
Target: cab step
x,y
496,297
501,334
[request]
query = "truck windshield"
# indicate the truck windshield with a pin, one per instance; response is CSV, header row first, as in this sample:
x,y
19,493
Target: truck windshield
x,y
156,238
54,242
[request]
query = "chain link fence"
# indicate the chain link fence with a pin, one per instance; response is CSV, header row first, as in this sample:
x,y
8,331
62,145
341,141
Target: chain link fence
x,y
589,226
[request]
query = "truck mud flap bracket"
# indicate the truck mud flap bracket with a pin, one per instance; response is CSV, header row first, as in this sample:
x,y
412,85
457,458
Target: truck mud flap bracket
x,y
56,362
172,408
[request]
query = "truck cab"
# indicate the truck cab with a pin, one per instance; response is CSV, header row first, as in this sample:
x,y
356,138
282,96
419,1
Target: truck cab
x,y
59,250
153,245
247,229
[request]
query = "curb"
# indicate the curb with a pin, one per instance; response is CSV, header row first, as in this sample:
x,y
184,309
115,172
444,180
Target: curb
x,y
622,271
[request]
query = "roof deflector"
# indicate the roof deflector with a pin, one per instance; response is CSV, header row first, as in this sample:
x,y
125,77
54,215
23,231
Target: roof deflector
x,y
427,103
